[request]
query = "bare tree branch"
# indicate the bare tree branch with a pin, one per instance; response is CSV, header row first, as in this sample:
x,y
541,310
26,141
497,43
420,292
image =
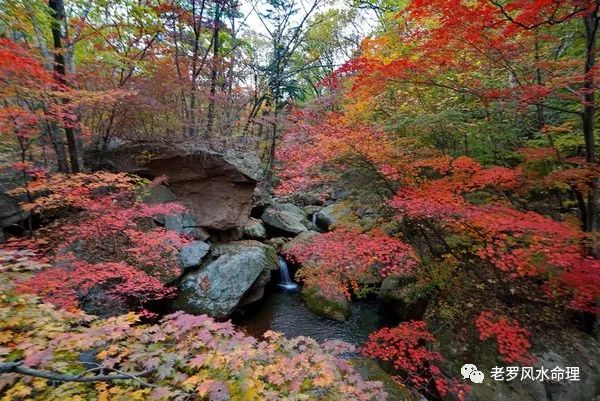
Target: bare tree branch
x,y
17,367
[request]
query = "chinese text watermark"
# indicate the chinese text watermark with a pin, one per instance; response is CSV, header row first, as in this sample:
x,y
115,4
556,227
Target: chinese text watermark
x,y
522,373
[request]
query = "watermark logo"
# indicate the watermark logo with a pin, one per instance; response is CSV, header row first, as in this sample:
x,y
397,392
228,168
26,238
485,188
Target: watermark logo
x,y
521,373
470,371
556,374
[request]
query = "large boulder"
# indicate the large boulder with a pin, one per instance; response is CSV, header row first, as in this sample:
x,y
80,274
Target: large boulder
x,y
370,370
331,304
216,187
404,298
183,223
286,218
257,291
10,212
222,283
333,214
555,342
562,348
192,254
300,239
254,229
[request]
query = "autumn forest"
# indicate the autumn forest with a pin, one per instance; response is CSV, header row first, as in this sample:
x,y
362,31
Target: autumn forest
x,y
299,200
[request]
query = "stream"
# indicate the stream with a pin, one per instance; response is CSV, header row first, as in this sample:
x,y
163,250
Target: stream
x,y
284,312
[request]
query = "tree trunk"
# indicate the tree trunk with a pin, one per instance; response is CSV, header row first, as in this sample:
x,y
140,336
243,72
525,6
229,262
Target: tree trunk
x,y
56,138
57,8
540,118
214,71
591,29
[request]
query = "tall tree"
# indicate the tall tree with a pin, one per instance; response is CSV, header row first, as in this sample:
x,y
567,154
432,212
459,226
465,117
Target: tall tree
x,y
285,29
530,17
57,8
214,67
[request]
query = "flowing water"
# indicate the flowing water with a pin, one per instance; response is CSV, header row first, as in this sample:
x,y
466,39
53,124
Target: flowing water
x,y
284,311
284,272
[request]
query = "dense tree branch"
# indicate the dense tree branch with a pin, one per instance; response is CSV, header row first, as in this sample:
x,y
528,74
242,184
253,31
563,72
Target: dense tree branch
x,y
17,367
551,20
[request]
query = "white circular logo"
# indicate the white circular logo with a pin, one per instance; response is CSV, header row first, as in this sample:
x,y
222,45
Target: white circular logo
x,y
469,371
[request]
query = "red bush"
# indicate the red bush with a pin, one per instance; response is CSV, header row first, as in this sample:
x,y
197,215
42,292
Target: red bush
x,y
406,347
513,340
345,258
65,286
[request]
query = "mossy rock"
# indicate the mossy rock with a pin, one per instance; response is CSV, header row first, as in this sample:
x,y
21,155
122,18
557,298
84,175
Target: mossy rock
x,y
335,306
555,342
301,239
404,297
334,215
370,370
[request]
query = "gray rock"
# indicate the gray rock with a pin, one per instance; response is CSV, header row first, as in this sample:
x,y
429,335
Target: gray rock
x,y
290,208
179,221
404,298
257,291
306,198
571,349
219,287
301,238
254,229
198,233
262,195
10,212
555,342
287,218
310,210
158,194
182,223
185,223
339,194
333,214
192,254
277,242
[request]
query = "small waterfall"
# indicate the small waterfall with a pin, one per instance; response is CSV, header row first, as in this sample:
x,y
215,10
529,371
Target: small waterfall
x,y
314,218
286,281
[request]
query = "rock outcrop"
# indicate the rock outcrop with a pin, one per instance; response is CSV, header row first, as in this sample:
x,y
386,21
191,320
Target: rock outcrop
x,y
300,239
216,187
286,218
331,306
562,348
331,215
403,297
555,342
10,212
192,254
223,282
254,229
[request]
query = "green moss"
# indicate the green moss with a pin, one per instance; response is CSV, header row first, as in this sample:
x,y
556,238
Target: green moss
x,y
369,370
336,307
271,255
